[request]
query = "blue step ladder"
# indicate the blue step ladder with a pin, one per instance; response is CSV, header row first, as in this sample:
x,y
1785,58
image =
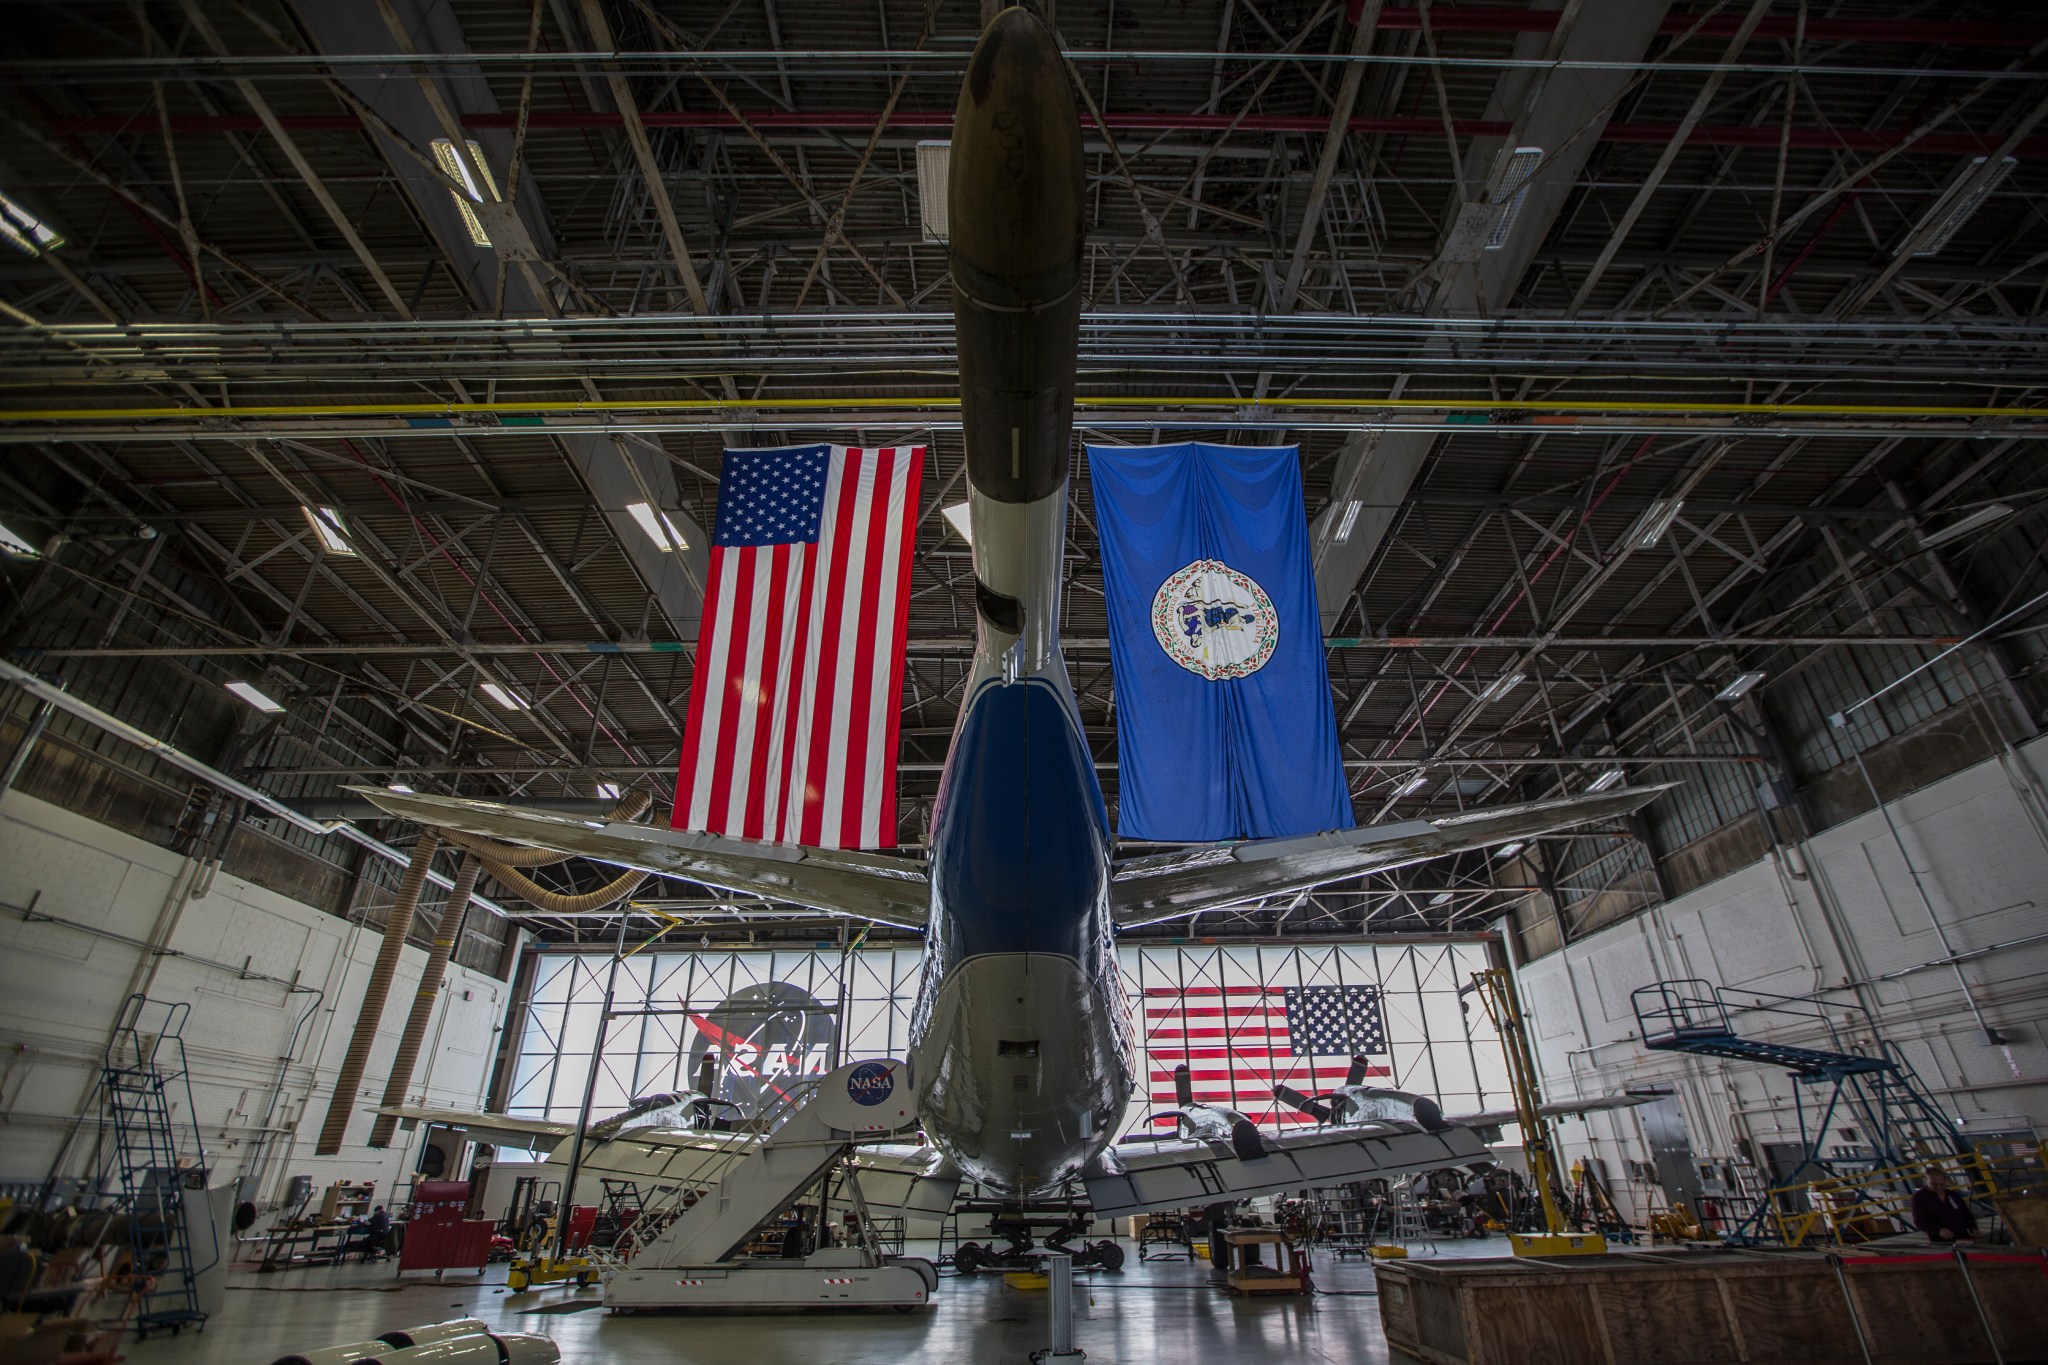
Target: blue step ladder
x,y
1898,1122
142,1073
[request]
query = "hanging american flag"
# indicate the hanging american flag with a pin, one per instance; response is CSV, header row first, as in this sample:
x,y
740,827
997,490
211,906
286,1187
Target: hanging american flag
x,y
792,727
1241,1041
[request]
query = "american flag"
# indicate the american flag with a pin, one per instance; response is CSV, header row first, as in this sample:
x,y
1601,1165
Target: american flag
x,y
1240,1041
793,712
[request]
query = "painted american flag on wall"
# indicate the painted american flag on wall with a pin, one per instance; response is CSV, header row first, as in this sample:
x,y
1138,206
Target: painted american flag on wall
x,y
1239,1041
792,726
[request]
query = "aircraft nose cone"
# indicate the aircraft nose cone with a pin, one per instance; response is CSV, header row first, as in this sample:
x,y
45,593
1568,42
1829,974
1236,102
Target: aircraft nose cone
x,y
1014,202
1015,185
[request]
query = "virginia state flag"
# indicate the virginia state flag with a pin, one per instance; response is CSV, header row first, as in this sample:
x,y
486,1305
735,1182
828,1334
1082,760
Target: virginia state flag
x,y
1223,719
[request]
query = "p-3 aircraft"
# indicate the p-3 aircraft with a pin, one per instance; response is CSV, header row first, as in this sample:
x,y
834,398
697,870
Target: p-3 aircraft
x,y
1021,1056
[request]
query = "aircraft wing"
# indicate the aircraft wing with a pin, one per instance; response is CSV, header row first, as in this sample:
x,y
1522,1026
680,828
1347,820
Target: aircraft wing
x,y
505,1130
869,886
1169,885
1556,1109
1180,1175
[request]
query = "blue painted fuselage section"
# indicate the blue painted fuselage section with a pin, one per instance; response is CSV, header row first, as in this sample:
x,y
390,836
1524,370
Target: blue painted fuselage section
x,y
1021,1038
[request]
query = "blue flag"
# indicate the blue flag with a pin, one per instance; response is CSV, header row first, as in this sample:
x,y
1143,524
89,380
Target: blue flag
x,y
1223,720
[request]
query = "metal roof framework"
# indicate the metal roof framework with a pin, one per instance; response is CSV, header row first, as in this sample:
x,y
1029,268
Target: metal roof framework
x,y
1712,311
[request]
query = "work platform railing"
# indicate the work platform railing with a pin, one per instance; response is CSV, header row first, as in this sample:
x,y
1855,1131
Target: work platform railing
x,y
1899,1126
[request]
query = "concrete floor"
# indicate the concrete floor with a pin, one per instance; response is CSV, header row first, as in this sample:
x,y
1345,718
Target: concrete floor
x,y
1150,1311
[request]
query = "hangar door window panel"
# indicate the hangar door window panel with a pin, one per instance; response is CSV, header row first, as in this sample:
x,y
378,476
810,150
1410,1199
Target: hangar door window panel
x,y
769,1016
1244,1018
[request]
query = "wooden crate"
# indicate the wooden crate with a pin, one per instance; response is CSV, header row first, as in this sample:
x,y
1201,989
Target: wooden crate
x,y
1762,1307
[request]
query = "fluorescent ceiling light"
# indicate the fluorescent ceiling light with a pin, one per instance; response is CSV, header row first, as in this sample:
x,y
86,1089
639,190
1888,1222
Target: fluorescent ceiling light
x,y
609,790
1509,850
398,787
1350,519
1983,516
1649,528
475,175
24,231
934,169
659,528
1500,687
1412,785
506,698
248,693
328,525
1611,778
1956,206
956,517
1739,687
1440,898
16,546
1512,190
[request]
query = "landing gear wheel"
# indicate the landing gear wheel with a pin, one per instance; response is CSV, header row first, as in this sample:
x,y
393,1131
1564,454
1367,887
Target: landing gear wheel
x,y
970,1259
1108,1255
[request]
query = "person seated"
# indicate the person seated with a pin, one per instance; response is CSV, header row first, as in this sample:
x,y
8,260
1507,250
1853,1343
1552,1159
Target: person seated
x,y
373,1236
1941,1213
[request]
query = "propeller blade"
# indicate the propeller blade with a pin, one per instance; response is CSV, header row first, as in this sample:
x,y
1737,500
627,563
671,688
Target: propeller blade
x,y
1301,1104
1183,1086
1356,1075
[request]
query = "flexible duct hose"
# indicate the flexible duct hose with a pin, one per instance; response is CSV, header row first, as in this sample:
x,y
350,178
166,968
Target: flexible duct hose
x,y
554,902
512,855
503,862
341,1104
450,924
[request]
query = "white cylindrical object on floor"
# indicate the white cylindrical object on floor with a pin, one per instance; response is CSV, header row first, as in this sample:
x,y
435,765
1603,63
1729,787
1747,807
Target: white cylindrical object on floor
x,y
335,1355
479,1349
522,1350
1059,1303
433,1331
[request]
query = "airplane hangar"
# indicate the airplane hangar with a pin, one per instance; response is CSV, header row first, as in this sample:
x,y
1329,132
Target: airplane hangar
x,y
1353,680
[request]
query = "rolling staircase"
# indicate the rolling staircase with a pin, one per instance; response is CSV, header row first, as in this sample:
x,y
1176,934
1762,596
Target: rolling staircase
x,y
142,1072
1897,1122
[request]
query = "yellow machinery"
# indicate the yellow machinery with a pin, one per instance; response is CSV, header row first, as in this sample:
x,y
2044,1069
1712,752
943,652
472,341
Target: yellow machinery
x,y
535,1266
1497,989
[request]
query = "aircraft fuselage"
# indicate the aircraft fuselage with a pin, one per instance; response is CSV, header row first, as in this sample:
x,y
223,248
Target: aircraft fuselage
x,y
1021,1042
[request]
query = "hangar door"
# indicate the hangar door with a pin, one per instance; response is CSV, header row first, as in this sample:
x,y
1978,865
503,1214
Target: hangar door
x,y
1242,1017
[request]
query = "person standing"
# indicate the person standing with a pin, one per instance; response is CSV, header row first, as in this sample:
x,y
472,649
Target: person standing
x,y
1940,1212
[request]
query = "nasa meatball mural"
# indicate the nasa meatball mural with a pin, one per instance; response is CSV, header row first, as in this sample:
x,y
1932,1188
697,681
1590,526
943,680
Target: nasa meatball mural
x,y
768,1017
765,1035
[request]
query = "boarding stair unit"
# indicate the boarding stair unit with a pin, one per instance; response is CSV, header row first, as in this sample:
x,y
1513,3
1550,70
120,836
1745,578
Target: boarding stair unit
x,y
149,1157
697,1251
1898,1125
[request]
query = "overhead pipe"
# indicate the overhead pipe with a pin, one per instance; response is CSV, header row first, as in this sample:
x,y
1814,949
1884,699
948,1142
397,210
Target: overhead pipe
x,y
371,1013
934,121
446,930
214,777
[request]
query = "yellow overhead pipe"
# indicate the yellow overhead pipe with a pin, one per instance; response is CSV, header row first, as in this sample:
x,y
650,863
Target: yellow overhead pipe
x,y
1163,401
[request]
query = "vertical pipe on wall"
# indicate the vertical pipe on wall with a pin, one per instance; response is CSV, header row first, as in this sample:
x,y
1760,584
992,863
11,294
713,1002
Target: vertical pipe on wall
x,y
452,912
371,1012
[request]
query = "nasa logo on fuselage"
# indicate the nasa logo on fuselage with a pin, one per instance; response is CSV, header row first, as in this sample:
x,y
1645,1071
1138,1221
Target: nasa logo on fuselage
x,y
1215,621
870,1083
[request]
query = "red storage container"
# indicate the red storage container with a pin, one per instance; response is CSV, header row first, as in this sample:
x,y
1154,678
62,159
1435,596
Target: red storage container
x,y
437,1236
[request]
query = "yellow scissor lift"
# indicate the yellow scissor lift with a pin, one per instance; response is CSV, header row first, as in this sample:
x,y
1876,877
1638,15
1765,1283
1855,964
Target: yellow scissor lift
x,y
1497,989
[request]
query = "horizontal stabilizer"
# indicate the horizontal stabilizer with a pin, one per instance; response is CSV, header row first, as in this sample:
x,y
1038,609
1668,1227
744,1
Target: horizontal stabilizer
x,y
866,886
1192,1174
1169,885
